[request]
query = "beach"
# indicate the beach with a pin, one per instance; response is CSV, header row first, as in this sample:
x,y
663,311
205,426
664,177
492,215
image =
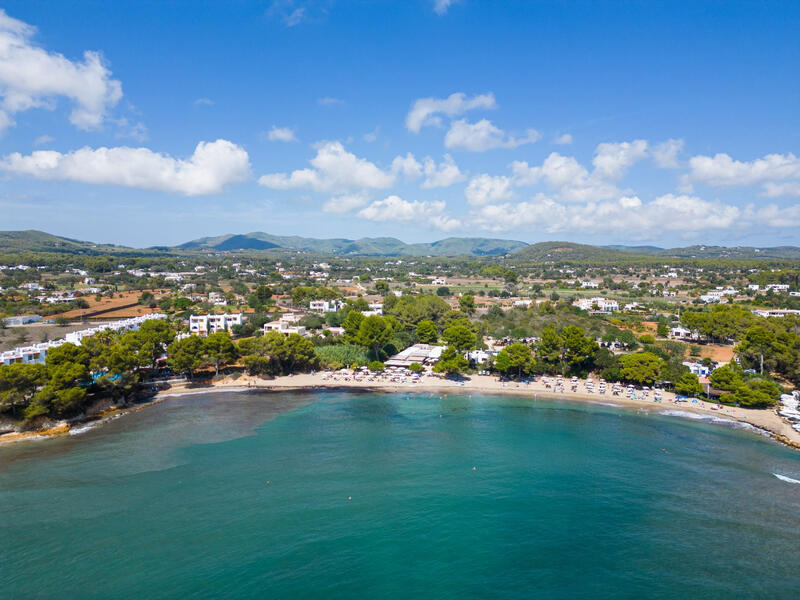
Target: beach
x,y
766,420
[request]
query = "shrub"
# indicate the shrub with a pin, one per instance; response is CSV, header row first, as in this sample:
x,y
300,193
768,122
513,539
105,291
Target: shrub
x,y
376,366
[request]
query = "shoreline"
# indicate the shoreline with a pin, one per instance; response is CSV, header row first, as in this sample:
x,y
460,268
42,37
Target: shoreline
x,y
766,421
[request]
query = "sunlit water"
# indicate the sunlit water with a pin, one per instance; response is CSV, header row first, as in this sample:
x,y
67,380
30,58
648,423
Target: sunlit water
x,y
338,495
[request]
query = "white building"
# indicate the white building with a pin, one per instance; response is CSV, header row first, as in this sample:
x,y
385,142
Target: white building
x,y
682,333
522,303
37,353
286,325
599,304
439,281
205,324
590,285
777,287
325,306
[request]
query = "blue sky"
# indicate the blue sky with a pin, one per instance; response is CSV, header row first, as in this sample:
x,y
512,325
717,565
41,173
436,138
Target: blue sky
x,y
145,123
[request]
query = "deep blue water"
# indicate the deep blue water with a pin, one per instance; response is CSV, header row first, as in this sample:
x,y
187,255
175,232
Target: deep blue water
x,y
337,495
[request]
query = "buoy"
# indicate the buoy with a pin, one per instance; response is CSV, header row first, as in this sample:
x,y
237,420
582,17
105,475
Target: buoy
x,y
267,481
349,498
474,468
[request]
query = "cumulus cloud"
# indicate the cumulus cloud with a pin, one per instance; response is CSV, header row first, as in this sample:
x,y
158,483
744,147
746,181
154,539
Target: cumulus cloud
x,y
722,170
483,135
372,136
32,77
563,140
281,134
440,6
334,169
774,190
565,175
612,160
485,189
407,166
665,154
626,214
775,216
211,167
445,174
427,111
345,203
394,208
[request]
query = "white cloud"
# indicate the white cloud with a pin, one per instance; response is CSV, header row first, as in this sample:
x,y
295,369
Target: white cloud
x,y
345,203
440,6
775,190
372,136
32,77
394,208
666,153
627,214
445,174
483,135
485,189
43,139
212,166
204,102
329,101
722,170
563,140
407,166
334,170
426,111
281,134
612,160
773,216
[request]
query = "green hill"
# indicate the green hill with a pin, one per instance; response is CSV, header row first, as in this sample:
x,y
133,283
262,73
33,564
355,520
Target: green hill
x,y
362,247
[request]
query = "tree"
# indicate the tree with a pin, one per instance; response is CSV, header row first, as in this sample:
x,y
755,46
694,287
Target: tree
x,y
373,332
688,385
186,355
460,337
351,325
467,304
726,378
151,339
442,291
18,385
382,287
415,367
376,366
578,349
548,349
451,362
515,356
642,367
426,332
758,342
296,353
219,350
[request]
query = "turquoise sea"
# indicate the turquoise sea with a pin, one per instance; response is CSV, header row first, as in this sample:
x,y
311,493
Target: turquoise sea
x,y
365,495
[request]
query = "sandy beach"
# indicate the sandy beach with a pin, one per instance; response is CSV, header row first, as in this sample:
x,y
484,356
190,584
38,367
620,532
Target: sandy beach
x,y
766,420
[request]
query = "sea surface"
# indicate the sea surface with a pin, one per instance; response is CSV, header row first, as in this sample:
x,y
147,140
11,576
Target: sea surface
x,y
371,495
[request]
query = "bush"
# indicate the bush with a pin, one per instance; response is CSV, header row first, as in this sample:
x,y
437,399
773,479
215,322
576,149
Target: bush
x,y
416,368
341,355
647,339
376,366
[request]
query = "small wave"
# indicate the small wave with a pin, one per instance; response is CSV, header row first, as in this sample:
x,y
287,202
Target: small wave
x,y
82,429
786,479
685,414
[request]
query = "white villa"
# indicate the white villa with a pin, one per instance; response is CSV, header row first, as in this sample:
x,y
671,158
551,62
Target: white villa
x,y
205,324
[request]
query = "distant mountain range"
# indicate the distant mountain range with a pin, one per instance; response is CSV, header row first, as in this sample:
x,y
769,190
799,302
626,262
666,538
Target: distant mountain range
x,y
363,246
257,242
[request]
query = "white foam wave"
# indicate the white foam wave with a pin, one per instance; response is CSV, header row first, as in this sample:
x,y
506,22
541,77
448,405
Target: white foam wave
x,y
83,429
685,414
786,479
